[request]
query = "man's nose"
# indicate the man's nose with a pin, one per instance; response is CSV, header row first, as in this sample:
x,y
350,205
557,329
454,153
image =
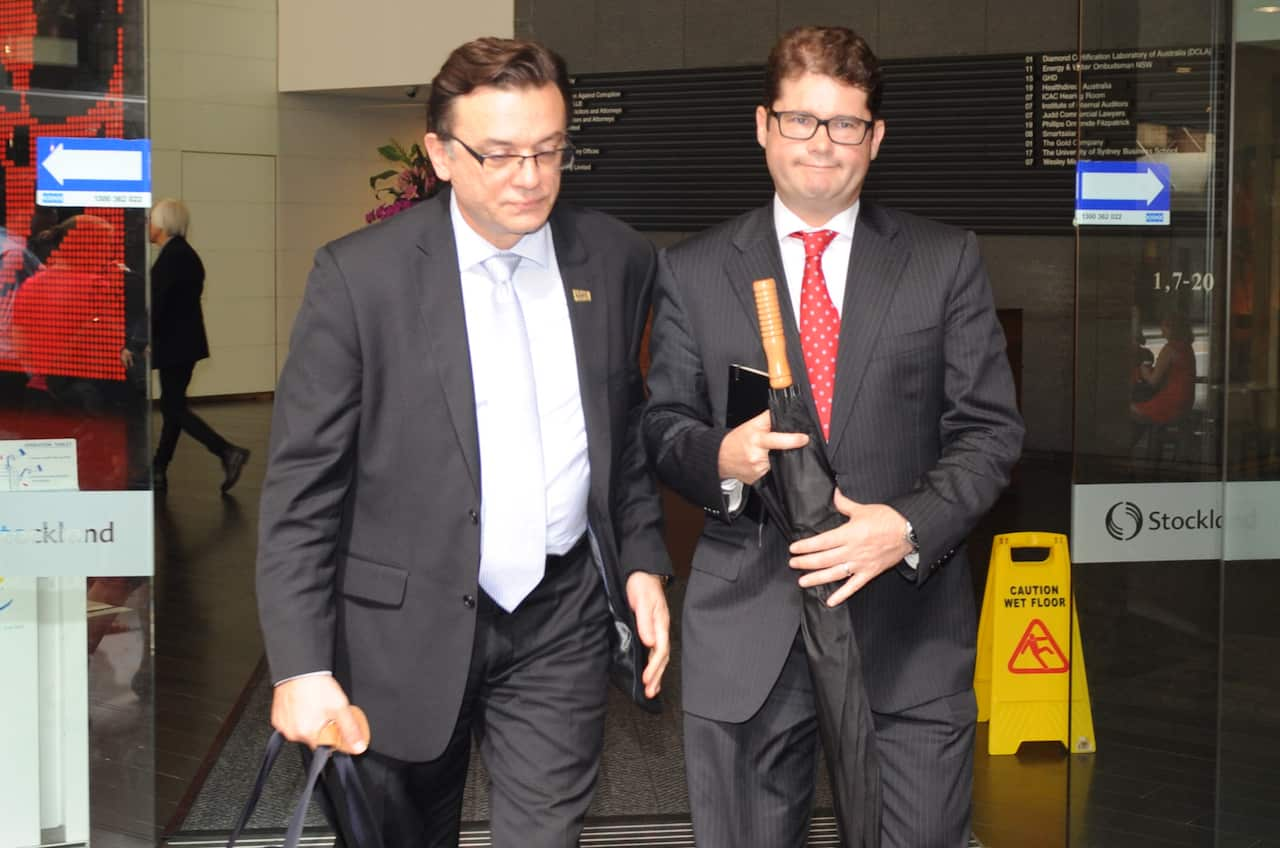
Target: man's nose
x,y
821,140
528,173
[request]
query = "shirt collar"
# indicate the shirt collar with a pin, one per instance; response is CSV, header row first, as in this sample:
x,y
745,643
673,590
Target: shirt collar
x,y
786,222
474,248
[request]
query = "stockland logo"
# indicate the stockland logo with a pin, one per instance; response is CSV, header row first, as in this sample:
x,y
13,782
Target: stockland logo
x,y
57,533
1124,521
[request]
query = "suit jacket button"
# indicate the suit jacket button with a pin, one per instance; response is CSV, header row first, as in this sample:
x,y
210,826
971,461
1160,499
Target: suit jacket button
x,y
469,601
474,516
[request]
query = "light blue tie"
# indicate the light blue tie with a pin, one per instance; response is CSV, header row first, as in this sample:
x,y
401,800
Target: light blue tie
x,y
513,496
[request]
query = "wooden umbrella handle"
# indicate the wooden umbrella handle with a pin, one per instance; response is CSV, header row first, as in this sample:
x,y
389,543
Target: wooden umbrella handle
x,y
330,737
771,333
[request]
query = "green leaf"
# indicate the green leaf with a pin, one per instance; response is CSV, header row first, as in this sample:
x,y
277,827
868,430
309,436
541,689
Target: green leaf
x,y
403,155
392,152
373,181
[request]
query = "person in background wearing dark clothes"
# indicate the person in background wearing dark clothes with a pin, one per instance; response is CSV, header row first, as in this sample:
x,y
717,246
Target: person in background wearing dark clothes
x,y
178,342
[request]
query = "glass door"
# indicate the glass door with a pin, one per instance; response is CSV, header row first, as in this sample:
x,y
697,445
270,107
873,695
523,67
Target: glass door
x,y
75,506
1174,510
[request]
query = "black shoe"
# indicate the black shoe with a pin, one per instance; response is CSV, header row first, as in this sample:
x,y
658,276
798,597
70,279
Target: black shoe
x,y
233,460
159,480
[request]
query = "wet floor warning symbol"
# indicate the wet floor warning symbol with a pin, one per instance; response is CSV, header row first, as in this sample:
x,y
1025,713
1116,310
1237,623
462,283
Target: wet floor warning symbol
x,y
1038,652
1029,677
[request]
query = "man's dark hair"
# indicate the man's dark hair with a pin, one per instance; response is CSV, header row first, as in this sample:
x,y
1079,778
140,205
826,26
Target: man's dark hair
x,y
835,52
496,62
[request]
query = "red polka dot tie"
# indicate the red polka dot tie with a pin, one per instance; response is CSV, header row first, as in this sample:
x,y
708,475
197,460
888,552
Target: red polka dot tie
x,y
819,325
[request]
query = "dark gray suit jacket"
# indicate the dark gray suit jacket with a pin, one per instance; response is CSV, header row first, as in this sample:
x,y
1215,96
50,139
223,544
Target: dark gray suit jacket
x,y
924,420
369,549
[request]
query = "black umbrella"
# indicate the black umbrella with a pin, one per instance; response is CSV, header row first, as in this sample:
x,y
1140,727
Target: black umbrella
x,y
799,492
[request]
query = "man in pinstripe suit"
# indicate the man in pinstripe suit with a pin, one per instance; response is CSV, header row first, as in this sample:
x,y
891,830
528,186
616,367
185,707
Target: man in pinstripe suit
x,y
904,362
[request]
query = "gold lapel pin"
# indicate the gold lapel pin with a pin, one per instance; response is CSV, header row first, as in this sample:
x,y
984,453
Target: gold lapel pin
x,y
581,296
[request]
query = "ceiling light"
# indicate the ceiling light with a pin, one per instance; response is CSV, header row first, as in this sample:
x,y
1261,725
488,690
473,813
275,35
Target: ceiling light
x,y
1268,8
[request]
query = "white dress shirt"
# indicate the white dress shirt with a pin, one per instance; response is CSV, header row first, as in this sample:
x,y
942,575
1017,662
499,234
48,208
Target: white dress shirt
x,y
555,365
564,432
835,259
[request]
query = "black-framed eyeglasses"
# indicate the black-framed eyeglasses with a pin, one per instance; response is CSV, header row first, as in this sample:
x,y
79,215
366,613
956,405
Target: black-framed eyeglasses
x,y
842,129
508,163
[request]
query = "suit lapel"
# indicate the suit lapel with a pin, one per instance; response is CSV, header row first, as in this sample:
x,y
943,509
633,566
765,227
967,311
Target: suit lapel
x,y
759,257
876,262
440,303
587,297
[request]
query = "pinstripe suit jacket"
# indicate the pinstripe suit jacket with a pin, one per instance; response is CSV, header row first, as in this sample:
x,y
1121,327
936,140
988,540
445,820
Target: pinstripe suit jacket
x,y
924,420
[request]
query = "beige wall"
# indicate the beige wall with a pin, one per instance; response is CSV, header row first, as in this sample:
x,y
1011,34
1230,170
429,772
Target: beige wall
x,y
268,177
339,44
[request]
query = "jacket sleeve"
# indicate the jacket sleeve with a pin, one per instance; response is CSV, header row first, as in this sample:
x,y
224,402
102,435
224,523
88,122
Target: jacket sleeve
x,y
637,505
162,283
980,429
310,466
681,439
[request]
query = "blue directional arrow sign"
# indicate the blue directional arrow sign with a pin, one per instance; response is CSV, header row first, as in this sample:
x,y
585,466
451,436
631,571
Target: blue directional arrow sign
x,y
101,172
1122,193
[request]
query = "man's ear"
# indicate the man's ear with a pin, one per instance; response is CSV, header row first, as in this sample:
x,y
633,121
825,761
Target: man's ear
x,y
877,136
762,125
440,159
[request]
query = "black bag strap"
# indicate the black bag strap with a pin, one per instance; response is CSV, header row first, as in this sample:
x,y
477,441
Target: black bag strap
x,y
364,831
274,744
319,759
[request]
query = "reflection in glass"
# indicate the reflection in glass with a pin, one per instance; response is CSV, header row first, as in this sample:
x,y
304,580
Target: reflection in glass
x,y
71,291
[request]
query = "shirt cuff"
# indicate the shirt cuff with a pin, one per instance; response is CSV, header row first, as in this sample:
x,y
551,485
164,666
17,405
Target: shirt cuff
x,y
732,489
322,673
912,559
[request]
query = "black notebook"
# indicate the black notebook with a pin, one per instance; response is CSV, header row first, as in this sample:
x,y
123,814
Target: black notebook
x,y
748,394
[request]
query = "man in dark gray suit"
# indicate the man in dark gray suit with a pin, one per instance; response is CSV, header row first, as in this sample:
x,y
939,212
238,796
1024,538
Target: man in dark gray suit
x,y
457,491
893,338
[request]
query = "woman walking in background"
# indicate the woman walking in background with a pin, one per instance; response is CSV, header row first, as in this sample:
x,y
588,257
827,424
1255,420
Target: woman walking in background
x,y
178,342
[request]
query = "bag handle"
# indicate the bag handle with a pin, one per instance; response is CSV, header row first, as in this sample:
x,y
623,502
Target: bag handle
x,y
274,744
269,757
319,759
364,828
365,833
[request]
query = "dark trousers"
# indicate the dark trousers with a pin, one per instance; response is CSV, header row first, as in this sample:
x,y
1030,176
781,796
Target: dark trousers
x,y
751,784
535,704
177,416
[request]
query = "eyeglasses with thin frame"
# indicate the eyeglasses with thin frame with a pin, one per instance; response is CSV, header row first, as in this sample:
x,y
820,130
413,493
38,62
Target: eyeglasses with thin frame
x,y
842,129
505,163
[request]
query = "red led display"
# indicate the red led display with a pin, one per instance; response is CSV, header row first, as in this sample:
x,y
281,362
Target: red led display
x,y
64,316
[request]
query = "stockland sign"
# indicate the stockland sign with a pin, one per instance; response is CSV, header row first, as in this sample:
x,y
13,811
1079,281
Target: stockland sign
x,y
64,534
1147,522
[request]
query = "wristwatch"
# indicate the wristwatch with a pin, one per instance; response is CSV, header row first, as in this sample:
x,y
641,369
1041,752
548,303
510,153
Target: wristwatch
x,y
911,539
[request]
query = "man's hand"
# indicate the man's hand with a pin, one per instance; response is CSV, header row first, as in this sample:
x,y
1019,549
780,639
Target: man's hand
x,y
653,621
872,541
744,453
302,706
126,357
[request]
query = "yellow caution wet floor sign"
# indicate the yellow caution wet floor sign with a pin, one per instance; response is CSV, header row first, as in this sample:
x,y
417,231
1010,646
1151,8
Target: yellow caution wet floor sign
x,y
1030,678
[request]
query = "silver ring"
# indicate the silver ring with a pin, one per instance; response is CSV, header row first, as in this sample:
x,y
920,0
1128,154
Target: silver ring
x,y
848,569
